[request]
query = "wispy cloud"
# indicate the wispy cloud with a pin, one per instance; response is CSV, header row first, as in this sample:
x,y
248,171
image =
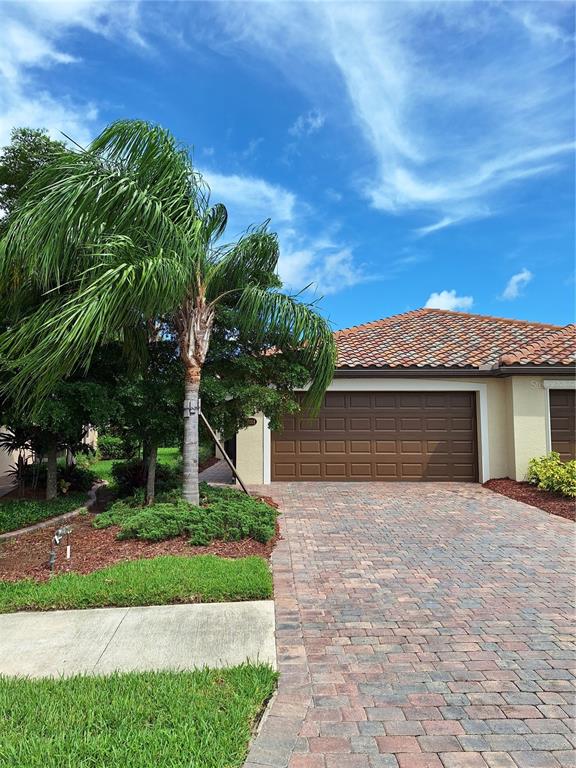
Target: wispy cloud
x,y
34,39
516,283
251,200
306,124
449,300
458,102
323,261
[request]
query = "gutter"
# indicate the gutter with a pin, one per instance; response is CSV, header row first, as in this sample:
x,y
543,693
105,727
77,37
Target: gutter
x,y
426,373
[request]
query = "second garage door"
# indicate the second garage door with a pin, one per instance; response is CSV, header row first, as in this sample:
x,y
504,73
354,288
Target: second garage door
x,y
381,436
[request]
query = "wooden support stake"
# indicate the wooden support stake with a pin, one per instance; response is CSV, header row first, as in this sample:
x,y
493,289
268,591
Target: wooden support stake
x,y
227,459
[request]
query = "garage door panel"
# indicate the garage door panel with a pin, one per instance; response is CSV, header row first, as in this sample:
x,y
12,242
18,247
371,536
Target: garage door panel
x,y
441,447
335,471
335,424
412,469
385,424
385,446
386,471
308,425
310,470
360,446
360,471
411,424
310,446
285,446
361,400
359,424
335,446
410,446
437,424
563,422
385,400
335,400
381,436
285,471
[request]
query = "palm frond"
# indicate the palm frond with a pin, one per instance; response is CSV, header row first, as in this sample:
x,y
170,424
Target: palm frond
x,y
294,325
63,333
250,261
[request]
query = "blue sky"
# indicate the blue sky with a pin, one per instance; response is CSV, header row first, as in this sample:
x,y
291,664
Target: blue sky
x,y
408,154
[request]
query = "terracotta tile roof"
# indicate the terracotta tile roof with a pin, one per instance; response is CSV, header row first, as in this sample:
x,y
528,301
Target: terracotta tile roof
x,y
556,348
442,339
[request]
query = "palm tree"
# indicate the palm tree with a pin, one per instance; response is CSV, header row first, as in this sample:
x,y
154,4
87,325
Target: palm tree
x,y
122,234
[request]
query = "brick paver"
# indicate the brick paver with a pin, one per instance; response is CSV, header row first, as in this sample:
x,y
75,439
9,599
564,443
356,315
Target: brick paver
x,y
419,625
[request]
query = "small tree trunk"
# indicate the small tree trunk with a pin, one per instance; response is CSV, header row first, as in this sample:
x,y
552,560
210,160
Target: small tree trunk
x,y
151,473
51,472
190,449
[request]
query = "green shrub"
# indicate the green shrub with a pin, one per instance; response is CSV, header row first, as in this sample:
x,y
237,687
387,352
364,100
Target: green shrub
x,y
19,513
110,447
225,514
131,475
552,474
78,477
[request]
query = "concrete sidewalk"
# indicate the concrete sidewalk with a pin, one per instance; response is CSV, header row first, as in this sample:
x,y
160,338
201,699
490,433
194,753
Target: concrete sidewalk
x,y
103,640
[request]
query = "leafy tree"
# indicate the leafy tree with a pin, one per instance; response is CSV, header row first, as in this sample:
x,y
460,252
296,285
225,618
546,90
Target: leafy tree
x,y
29,150
125,232
148,398
59,423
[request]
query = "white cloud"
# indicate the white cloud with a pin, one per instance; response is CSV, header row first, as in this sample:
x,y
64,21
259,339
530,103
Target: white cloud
x,y
251,200
307,124
516,283
448,300
34,37
320,260
456,101
327,266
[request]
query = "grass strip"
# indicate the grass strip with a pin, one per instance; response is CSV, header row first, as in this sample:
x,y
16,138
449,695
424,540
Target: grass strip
x,y
199,719
20,513
154,581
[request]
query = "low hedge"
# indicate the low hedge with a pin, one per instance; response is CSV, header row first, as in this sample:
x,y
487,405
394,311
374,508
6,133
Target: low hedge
x,y
20,513
224,514
550,473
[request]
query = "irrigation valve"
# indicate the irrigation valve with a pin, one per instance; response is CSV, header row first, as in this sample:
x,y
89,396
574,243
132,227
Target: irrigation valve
x,y
62,532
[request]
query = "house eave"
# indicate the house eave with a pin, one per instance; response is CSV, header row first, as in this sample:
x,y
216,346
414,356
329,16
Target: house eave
x,y
464,372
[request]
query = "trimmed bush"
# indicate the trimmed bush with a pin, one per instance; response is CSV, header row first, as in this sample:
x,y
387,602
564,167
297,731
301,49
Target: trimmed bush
x,y
110,447
131,475
225,514
550,473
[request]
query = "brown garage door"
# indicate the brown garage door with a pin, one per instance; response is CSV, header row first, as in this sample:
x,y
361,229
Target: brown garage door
x,y
381,436
563,422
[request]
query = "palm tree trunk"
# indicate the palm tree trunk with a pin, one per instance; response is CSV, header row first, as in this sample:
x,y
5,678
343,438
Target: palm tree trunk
x,y
190,449
51,472
151,473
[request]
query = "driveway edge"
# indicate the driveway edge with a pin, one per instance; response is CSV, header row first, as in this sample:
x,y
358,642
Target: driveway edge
x,y
280,728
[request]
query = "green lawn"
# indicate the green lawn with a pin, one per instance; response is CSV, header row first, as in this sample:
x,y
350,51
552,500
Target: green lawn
x,y
200,719
168,456
19,513
103,468
155,581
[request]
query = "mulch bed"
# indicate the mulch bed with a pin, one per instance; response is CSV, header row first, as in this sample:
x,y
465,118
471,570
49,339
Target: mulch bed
x,y
26,556
553,503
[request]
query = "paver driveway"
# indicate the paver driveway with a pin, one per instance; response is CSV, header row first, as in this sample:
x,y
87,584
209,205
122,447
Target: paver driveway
x,y
420,626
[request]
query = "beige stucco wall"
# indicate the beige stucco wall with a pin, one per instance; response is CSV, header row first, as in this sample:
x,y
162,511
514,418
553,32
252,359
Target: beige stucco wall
x,y
516,423
529,402
250,452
